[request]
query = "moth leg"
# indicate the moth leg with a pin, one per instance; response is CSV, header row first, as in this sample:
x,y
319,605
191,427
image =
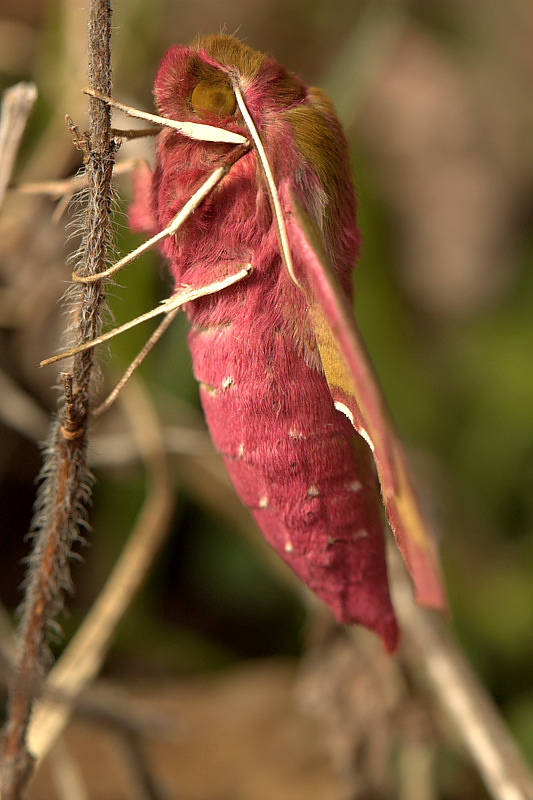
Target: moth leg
x,y
184,213
137,361
176,301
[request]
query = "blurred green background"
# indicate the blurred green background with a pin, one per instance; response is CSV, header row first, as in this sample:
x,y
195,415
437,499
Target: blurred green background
x,y
436,101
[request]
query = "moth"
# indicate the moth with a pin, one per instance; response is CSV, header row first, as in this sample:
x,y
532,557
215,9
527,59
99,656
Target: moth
x,y
266,259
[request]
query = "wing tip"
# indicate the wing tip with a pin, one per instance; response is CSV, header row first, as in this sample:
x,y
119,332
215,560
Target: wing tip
x,y
430,593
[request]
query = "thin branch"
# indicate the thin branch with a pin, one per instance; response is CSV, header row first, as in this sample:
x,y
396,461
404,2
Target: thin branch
x,y
83,657
140,766
65,479
134,133
17,104
432,653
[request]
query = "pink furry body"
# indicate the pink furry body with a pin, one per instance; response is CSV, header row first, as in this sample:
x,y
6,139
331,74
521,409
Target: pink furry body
x,y
295,460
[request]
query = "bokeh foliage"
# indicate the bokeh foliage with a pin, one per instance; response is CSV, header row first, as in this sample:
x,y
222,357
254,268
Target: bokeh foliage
x,y
435,102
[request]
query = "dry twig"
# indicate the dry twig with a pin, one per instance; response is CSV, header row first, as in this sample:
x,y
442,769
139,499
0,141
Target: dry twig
x,y
82,659
432,654
65,480
16,106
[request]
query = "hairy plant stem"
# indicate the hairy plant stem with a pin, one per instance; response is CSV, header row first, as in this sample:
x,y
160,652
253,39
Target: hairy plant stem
x,y
66,482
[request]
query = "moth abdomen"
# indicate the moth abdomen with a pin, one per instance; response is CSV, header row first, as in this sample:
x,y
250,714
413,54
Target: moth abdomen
x,y
298,465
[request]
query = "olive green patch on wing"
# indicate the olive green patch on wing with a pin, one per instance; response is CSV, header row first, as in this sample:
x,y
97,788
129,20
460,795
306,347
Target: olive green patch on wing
x,y
320,141
333,363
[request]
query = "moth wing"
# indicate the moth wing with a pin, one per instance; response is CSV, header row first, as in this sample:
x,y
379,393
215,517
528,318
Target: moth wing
x,y
355,391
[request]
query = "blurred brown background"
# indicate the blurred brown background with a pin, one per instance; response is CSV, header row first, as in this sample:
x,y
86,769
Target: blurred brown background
x,y
436,101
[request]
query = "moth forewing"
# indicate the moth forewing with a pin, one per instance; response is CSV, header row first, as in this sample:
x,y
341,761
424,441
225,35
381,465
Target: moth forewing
x,y
354,387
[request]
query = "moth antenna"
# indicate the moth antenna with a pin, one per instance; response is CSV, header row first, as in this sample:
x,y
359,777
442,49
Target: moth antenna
x,y
271,186
174,302
134,133
190,206
137,361
194,130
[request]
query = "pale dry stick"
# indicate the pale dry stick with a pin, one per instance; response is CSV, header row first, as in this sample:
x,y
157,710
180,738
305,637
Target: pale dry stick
x,y
416,771
83,657
431,650
168,306
20,412
65,487
66,774
118,450
63,190
17,103
101,704
110,705
69,186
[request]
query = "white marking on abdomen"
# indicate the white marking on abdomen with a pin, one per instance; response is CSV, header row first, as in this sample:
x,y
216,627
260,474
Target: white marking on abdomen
x,y
294,434
354,486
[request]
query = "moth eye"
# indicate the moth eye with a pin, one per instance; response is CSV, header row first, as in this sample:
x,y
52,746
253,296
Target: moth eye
x,y
213,98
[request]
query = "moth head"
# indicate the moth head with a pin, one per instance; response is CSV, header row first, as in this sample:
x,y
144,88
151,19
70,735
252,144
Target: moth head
x,y
198,81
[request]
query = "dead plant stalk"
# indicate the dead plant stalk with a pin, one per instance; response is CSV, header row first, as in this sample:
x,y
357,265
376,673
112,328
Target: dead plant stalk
x,y
66,481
